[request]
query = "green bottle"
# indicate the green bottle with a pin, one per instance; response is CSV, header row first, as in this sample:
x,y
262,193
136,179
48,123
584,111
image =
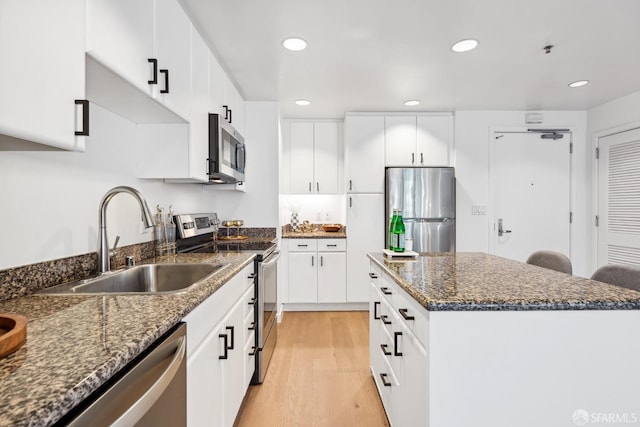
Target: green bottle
x,y
398,233
392,224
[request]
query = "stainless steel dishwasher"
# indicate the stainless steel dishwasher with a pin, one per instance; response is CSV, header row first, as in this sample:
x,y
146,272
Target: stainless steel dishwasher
x,y
151,392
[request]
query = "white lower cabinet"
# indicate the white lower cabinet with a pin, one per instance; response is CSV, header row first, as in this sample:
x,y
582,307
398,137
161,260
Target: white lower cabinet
x,y
398,357
219,367
317,271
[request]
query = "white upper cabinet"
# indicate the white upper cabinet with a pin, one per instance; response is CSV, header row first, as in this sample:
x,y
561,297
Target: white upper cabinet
x,y
314,157
422,140
364,146
42,74
400,140
120,37
199,115
225,99
173,51
301,157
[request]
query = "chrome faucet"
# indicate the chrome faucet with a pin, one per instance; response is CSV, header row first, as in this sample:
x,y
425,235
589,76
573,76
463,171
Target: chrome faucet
x,y
103,244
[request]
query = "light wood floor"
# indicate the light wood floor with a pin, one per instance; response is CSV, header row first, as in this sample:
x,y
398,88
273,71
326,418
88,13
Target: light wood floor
x,y
319,375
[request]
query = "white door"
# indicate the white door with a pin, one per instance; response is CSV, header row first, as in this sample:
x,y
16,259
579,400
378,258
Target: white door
x,y
325,157
400,141
364,158
531,194
332,277
619,199
303,277
301,157
365,222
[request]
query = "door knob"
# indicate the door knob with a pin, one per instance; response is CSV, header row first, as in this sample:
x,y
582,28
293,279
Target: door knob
x,y
501,231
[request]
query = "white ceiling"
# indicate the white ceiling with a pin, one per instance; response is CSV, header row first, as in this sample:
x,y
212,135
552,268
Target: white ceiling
x,y
372,55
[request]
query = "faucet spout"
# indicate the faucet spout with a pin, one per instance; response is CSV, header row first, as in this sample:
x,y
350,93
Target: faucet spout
x,y
103,244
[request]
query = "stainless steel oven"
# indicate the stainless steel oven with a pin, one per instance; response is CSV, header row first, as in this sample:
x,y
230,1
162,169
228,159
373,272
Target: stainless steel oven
x,y
267,313
196,233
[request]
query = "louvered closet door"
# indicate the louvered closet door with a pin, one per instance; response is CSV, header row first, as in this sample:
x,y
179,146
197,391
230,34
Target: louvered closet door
x,y
619,199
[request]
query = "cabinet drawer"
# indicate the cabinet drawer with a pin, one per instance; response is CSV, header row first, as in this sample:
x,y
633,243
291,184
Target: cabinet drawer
x,y
332,245
303,245
412,314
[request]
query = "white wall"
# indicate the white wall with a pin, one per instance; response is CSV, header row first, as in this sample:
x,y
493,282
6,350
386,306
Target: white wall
x,y
472,145
315,208
50,200
619,112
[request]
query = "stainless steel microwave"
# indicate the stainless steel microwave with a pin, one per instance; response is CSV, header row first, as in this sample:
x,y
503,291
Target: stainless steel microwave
x,y
227,152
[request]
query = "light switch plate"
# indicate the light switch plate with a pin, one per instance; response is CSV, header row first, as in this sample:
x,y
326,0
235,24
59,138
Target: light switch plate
x,y
479,210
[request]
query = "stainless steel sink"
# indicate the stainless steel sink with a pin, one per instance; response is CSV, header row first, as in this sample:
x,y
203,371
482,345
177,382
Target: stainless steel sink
x,y
141,279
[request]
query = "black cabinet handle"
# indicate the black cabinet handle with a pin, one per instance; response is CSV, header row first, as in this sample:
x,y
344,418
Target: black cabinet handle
x,y
302,246
413,158
373,275
226,112
232,329
350,202
385,383
154,79
350,185
318,187
332,246
230,116
309,187
385,319
252,301
252,327
385,290
254,350
384,350
375,310
403,313
251,276
85,117
226,341
421,158
395,343
166,81
311,260
321,261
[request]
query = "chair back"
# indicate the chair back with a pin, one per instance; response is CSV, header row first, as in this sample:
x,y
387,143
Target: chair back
x,y
625,276
551,260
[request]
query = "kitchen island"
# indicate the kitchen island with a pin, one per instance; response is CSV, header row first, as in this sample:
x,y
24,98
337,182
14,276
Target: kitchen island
x,y
76,343
471,339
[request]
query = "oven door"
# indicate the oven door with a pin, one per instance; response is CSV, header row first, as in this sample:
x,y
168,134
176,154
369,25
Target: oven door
x,y
267,312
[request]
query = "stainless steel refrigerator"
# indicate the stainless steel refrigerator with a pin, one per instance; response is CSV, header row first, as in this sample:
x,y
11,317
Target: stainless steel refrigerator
x,y
427,198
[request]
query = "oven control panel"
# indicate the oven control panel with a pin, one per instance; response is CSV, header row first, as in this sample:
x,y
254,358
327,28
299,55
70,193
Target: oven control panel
x,y
190,225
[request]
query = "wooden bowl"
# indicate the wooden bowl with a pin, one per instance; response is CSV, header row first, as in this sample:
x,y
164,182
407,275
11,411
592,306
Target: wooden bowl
x,y
331,227
13,333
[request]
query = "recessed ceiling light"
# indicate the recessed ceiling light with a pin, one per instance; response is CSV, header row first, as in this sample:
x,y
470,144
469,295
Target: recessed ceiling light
x,y
578,83
294,43
412,103
302,102
464,45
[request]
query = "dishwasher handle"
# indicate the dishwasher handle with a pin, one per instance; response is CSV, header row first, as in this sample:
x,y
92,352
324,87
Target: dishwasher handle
x,y
139,408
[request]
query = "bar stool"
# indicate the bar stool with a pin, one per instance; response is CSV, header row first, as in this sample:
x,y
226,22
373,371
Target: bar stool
x,y
625,276
551,260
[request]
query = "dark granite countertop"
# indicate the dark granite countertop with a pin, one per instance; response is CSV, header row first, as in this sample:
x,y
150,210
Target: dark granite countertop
x,y
477,281
318,234
76,343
